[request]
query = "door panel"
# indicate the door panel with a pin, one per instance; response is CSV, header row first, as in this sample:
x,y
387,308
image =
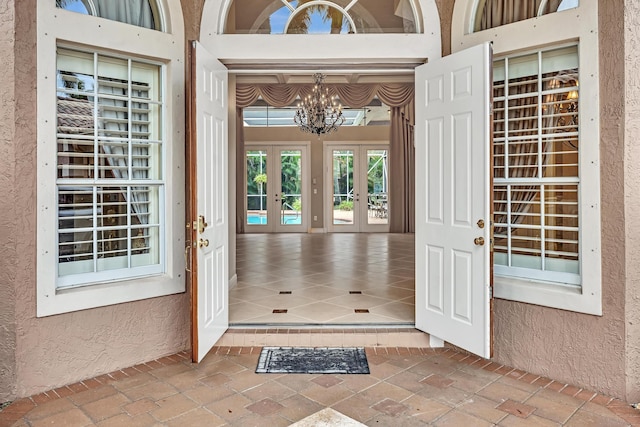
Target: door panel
x,y
210,227
453,107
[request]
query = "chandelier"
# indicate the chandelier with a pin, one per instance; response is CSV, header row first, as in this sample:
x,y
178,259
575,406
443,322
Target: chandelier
x,y
318,113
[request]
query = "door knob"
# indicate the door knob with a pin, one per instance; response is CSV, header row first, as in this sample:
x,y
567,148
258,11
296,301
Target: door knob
x,y
479,241
203,242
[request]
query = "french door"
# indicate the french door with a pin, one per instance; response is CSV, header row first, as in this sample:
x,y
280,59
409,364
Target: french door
x,y
275,188
357,188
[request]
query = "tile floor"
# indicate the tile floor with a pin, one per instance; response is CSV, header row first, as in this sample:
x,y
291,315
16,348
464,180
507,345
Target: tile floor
x,y
406,387
346,279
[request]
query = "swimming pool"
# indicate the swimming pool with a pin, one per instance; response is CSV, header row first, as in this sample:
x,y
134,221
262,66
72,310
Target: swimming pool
x,y
254,219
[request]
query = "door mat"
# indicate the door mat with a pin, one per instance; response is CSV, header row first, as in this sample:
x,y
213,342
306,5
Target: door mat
x,y
313,360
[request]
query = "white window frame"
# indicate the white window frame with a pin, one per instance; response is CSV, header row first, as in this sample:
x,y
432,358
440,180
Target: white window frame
x,y
575,25
58,27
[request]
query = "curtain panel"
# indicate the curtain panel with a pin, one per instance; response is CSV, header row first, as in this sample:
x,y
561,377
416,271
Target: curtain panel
x,y
398,96
502,12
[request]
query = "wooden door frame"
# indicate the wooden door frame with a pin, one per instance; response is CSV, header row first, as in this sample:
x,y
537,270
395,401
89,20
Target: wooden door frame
x,y
191,205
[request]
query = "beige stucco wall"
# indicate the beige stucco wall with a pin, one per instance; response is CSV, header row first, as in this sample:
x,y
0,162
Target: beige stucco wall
x,y
632,195
63,349
585,350
9,220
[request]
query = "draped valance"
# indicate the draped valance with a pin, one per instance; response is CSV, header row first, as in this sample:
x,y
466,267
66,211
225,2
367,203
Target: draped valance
x,y
352,95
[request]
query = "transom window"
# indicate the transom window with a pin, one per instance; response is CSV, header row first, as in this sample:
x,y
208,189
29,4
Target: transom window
x,y
141,13
109,180
494,13
322,17
536,173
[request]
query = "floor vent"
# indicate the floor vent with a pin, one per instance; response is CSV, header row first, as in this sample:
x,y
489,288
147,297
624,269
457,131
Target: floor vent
x,y
279,311
285,292
361,310
355,292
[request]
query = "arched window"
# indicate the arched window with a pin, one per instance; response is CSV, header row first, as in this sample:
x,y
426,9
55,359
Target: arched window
x,y
322,17
494,13
141,13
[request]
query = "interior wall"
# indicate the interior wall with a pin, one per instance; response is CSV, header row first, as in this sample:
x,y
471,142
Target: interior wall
x,y
10,219
632,191
346,134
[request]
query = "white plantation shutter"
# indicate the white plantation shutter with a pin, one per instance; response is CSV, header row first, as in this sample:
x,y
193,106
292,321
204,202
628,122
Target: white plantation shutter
x,y
109,176
536,180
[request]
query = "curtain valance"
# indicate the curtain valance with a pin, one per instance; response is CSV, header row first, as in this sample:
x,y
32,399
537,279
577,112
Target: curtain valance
x,y
352,95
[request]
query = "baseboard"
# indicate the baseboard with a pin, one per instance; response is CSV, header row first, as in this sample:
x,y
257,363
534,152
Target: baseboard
x,y
233,281
317,230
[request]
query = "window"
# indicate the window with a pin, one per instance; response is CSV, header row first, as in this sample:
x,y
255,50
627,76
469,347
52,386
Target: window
x,y
322,17
546,146
109,167
494,13
110,154
536,159
141,13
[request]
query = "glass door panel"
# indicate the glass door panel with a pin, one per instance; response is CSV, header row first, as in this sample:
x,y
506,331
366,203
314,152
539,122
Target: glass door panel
x,y
257,187
377,186
343,186
290,195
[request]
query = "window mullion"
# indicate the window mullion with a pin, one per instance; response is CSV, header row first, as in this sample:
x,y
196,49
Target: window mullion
x,y
509,225
506,120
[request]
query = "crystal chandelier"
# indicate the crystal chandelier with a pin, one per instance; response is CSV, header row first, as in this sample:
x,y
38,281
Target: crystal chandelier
x,y
318,113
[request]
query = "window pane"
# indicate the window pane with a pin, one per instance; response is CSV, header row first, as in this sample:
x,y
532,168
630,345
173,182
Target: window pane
x,y
377,187
536,164
109,121
291,187
343,186
256,187
140,13
495,13
369,16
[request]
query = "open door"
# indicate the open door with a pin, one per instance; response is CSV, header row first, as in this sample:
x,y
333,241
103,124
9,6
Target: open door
x,y
208,200
453,199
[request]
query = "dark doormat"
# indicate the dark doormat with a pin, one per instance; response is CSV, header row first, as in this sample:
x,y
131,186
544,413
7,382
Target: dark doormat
x,y
310,360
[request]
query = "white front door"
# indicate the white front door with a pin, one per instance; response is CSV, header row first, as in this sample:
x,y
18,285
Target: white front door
x,y
211,235
453,188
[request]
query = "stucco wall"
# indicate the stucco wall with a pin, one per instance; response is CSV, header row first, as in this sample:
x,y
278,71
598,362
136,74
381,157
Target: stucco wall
x,y
63,349
632,195
581,349
8,217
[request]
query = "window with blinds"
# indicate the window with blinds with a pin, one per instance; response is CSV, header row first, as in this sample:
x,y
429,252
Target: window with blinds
x,y
110,180
536,170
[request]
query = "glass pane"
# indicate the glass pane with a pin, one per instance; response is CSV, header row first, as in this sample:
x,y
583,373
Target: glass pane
x,y
291,187
319,19
495,13
256,187
377,187
526,238
369,16
561,228
135,12
342,187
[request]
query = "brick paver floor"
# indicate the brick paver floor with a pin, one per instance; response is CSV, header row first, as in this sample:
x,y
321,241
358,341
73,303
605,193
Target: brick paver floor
x,y
406,387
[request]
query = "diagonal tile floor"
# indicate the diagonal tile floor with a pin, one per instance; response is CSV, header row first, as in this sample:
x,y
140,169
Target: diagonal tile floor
x,y
406,387
324,279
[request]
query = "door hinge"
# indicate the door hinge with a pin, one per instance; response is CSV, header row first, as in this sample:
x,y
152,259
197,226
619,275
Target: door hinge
x,y
490,292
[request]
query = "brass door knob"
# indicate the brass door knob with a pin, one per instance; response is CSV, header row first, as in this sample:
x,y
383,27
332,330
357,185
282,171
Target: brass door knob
x,y
203,242
479,241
